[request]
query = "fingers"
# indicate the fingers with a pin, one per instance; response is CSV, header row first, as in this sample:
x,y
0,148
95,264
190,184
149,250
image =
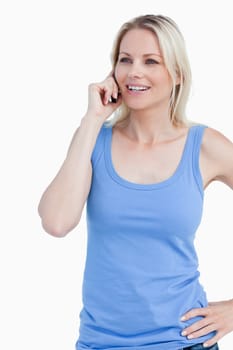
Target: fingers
x,y
217,320
104,97
213,341
194,327
109,90
195,312
202,332
112,79
199,329
106,89
196,331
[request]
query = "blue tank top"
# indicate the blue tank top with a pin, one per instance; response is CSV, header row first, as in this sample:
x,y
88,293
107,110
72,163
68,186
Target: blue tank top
x,y
141,271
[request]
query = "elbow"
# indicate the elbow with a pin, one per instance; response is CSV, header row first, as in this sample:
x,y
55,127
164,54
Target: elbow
x,y
57,226
54,230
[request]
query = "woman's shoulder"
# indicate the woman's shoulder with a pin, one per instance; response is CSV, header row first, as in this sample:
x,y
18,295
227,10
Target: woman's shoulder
x,y
212,138
214,141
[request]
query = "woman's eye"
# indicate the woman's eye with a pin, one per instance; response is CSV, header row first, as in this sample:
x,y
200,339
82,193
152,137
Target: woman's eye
x,y
151,61
125,60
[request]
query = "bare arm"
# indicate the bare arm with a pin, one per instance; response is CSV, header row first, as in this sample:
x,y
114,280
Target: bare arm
x,y
217,159
62,202
217,162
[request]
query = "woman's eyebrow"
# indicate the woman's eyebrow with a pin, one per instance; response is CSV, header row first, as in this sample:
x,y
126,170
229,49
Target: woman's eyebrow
x,y
124,53
146,54
153,54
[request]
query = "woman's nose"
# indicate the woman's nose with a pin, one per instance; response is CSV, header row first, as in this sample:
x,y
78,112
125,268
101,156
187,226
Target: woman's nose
x,y
135,71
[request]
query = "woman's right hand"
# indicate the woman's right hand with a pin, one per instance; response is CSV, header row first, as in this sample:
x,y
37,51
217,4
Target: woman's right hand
x,y
99,95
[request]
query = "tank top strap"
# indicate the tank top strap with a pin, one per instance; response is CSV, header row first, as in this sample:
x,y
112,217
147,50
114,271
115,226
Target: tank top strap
x,y
198,131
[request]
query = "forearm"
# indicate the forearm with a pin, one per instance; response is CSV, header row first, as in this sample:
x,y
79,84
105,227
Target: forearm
x,y
62,202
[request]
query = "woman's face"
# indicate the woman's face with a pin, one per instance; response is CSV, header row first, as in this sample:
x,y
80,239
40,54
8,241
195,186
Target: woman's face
x,y
140,72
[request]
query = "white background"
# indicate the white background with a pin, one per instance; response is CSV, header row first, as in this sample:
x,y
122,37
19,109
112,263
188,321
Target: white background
x,y
50,52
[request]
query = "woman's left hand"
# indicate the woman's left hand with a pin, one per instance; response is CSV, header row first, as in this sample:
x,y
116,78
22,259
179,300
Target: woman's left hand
x,y
218,316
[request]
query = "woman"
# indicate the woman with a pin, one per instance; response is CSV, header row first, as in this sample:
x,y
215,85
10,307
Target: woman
x,y
143,175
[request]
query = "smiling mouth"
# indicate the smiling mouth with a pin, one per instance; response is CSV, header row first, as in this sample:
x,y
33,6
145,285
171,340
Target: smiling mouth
x,y
137,88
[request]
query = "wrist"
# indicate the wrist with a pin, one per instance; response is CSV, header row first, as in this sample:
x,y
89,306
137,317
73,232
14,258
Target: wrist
x,y
92,118
91,122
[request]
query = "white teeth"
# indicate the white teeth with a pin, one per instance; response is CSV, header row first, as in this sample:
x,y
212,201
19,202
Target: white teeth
x,y
137,88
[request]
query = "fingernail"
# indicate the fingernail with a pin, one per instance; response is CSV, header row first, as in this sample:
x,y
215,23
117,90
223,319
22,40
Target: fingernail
x,y
205,345
190,336
183,318
184,333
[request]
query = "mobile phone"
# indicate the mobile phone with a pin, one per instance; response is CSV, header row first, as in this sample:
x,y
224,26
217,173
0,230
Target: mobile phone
x,y
114,100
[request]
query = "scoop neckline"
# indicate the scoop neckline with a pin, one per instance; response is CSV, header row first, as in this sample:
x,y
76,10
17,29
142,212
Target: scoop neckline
x,y
122,181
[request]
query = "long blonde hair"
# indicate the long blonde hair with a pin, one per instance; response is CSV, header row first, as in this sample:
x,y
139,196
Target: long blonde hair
x,y
173,49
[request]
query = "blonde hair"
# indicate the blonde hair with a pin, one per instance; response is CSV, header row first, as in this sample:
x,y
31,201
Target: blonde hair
x,y
173,49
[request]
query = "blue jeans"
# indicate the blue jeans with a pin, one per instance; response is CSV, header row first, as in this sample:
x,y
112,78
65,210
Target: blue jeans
x,y
201,347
